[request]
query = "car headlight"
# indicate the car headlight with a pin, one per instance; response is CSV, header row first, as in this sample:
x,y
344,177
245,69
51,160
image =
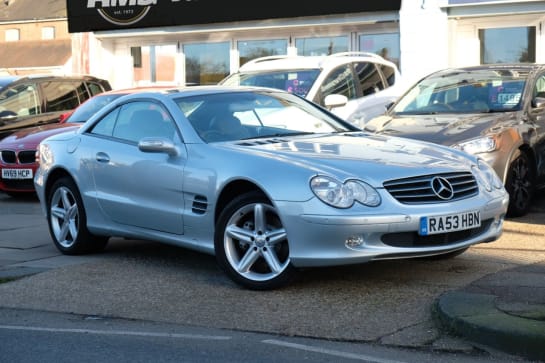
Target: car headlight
x,y
344,195
487,175
476,146
44,156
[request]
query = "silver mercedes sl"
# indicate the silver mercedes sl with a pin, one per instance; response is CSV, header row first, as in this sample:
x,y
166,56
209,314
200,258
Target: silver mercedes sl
x,y
264,180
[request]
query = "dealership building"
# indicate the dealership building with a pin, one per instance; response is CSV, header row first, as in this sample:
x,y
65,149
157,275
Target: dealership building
x,y
136,42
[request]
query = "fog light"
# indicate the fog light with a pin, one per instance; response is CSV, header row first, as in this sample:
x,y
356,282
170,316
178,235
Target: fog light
x,y
354,241
498,221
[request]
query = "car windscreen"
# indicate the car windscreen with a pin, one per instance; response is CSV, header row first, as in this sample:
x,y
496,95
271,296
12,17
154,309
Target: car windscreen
x,y
464,92
244,115
293,81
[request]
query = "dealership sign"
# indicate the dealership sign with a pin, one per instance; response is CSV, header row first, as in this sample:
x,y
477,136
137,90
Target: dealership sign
x,y
95,15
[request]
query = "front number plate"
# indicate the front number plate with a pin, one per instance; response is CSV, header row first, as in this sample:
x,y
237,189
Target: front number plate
x,y
449,223
17,173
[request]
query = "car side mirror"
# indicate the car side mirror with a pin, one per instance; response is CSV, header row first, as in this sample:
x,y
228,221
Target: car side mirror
x,y
389,106
158,145
538,102
335,100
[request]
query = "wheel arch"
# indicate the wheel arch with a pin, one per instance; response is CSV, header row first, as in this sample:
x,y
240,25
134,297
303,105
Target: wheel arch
x,y
54,176
232,190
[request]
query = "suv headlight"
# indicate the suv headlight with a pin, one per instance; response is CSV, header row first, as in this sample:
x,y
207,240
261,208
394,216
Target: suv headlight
x,y
344,195
481,145
487,175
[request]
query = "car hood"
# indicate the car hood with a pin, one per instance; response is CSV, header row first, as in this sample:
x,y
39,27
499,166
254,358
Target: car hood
x,y
448,129
358,154
32,136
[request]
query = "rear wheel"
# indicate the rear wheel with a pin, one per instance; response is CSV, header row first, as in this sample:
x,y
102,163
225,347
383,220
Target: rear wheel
x,y
252,245
520,186
67,220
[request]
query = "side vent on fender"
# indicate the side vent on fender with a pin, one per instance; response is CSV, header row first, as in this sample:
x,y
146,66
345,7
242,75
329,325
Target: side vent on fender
x,y
199,204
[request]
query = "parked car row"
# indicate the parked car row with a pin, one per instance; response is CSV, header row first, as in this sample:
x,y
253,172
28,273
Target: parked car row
x,y
493,111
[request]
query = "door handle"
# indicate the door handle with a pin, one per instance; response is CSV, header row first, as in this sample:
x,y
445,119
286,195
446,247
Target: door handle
x,y
102,157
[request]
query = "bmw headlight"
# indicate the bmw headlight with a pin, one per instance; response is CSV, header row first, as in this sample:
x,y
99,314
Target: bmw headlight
x,y
487,175
476,146
344,195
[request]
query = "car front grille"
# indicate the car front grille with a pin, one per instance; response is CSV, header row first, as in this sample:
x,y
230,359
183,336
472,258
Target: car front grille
x,y
19,157
420,190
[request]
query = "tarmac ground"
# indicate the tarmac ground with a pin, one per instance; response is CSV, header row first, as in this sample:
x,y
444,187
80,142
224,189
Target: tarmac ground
x,y
401,303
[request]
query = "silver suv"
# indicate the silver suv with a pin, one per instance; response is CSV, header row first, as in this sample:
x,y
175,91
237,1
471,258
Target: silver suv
x,y
355,86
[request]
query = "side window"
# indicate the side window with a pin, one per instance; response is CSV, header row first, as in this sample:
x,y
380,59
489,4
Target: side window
x,y
539,89
94,88
136,120
339,81
60,96
369,78
20,100
389,74
105,127
83,92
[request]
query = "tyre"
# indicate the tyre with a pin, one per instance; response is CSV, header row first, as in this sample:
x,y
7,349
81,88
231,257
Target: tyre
x,y
251,244
520,186
67,220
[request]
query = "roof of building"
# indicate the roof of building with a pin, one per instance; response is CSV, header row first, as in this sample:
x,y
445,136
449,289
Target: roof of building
x,y
32,54
21,10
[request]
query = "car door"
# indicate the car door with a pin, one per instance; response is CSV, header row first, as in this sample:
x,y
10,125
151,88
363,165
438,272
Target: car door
x,y
134,187
376,94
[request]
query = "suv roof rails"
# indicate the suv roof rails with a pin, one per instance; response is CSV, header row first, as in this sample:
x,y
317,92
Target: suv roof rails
x,y
268,58
355,53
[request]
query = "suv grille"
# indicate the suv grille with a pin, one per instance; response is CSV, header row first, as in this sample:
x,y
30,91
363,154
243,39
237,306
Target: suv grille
x,y
420,190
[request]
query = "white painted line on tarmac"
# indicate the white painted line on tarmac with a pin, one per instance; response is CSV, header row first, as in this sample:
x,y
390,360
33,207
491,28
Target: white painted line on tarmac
x,y
336,353
116,332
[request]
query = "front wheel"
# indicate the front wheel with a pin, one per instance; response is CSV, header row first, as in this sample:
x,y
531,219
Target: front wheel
x,y
252,245
520,186
67,220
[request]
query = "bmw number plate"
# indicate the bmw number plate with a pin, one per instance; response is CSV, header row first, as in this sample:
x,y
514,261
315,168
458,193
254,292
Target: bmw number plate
x,y
449,223
17,173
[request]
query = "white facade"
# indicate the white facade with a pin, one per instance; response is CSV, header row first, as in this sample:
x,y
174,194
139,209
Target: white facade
x,y
433,34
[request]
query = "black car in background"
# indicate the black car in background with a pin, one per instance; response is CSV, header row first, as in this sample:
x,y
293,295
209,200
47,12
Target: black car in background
x,y
495,111
42,99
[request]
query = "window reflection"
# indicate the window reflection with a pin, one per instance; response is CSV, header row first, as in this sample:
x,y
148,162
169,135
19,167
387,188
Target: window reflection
x,y
206,63
154,63
508,45
251,49
321,46
385,45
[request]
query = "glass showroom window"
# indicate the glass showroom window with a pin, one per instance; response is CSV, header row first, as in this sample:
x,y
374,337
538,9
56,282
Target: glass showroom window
x,y
251,49
154,64
321,46
385,45
508,45
206,63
